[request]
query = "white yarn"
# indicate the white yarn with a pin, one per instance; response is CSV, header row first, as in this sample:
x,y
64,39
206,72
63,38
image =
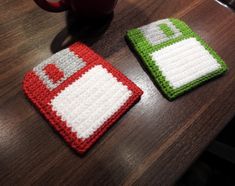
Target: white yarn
x,y
89,101
184,61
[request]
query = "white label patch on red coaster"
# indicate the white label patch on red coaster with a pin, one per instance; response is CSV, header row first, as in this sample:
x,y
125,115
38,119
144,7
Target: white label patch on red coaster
x,y
89,101
80,93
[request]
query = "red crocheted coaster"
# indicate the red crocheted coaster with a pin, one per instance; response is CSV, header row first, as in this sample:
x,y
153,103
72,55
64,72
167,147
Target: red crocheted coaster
x,y
80,93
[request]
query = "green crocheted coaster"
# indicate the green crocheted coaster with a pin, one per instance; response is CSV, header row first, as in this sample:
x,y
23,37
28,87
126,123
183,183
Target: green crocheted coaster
x,y
176,57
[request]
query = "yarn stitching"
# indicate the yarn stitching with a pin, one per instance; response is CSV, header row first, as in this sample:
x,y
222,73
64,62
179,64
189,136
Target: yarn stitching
x,y
43,96
145,49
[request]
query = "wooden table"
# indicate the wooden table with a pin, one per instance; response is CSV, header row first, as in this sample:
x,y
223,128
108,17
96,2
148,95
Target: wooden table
x,y
152,144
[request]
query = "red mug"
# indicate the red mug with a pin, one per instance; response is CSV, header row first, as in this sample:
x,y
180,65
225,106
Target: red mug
x,y
87,8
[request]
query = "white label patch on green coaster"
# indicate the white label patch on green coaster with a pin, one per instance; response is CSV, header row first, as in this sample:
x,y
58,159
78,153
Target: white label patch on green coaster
x,y
189,61
176,57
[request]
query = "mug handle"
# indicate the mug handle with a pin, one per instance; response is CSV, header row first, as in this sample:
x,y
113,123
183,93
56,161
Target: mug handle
x,y
59,6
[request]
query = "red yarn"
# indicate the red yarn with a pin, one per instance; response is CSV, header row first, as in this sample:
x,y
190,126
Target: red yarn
x,y
53,72
41,96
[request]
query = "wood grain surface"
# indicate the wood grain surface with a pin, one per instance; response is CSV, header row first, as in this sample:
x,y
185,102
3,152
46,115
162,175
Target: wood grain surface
x,y
153,143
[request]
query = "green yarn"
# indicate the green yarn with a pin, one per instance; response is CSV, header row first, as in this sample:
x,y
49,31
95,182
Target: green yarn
x,y
166,30
144,48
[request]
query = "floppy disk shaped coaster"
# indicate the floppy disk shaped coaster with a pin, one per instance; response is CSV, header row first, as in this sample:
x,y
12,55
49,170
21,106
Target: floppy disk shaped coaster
x,y
176,57
80,93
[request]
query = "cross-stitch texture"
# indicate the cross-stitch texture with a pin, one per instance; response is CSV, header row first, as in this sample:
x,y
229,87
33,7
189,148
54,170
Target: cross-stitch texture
x,y
176,57
80,93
